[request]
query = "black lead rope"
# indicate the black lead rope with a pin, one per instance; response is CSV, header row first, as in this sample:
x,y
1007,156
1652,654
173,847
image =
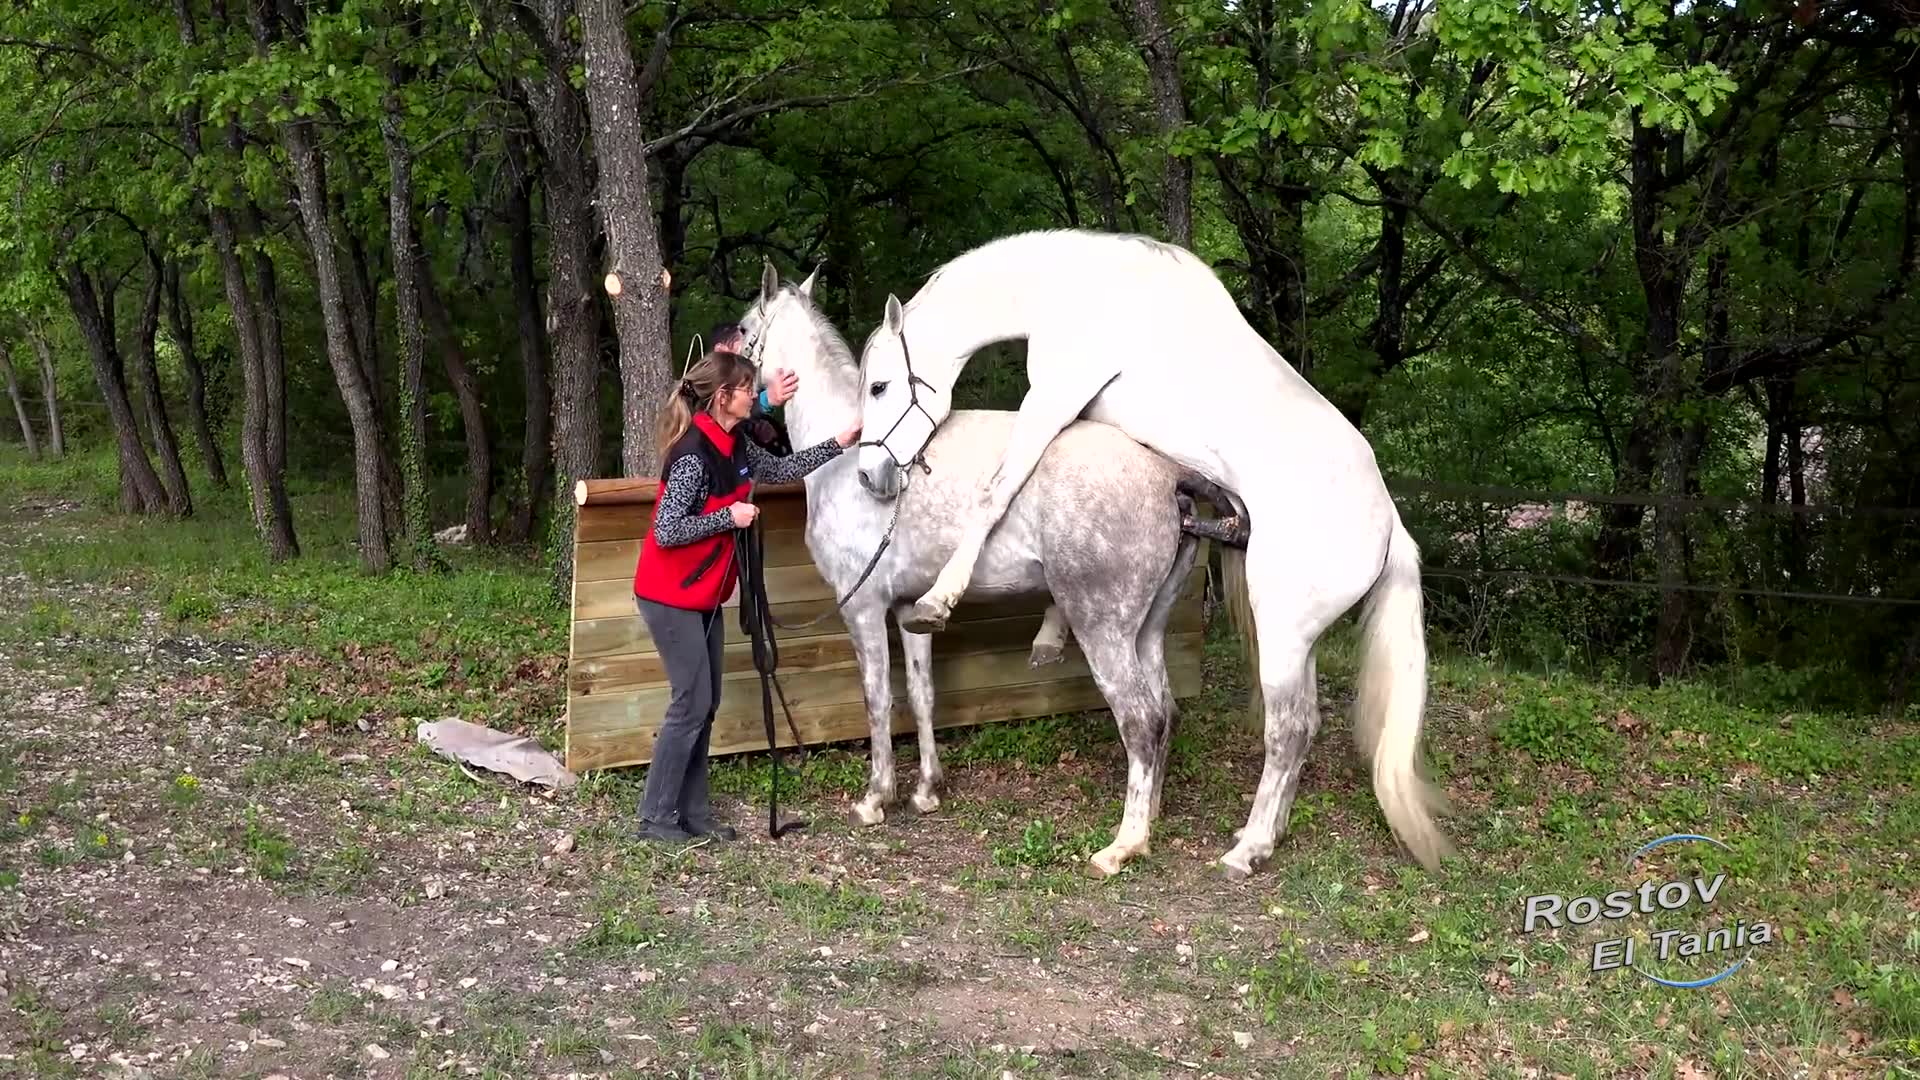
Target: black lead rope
x,y
756,621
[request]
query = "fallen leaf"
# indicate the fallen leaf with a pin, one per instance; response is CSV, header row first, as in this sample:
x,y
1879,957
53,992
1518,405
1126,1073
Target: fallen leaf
x,y
1842,998
1418,937
1856,1038
1687,1070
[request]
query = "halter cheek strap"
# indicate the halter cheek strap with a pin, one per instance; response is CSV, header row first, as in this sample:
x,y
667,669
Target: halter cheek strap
x,y
914,383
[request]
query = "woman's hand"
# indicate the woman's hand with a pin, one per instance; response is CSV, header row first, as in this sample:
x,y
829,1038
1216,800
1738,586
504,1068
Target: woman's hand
x,y
781,386
848,437
743,514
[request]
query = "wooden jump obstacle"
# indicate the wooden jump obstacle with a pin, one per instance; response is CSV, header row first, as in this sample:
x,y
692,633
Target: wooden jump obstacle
x,y
617,688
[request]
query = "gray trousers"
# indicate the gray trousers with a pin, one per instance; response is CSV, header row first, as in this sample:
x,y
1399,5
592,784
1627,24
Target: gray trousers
x,y
689,644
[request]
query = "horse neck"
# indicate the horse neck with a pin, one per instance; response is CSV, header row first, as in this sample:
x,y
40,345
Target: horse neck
x,y
827,401
969,304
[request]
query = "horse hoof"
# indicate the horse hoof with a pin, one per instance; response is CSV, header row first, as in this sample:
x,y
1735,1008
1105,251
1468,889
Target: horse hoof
x,y
1098,872
1043,655
1234,868
868,815
926,804
925,618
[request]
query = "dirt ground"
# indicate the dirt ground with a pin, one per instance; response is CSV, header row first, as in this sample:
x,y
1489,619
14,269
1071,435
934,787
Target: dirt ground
x,y
193,886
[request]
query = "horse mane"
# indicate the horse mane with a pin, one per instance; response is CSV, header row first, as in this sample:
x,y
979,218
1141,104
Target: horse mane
x,y
837,348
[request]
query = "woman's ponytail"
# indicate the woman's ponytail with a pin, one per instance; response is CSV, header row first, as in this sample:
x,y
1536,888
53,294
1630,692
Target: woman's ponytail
x,y
694,391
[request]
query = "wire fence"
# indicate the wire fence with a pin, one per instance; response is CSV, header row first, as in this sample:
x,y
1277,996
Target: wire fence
x,y
1493,494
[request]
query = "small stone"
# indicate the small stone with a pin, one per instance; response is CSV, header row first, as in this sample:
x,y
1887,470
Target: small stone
x,y
390,965
296,921
340,924
376,1053
564,844
294,961
823,951
79,1051
270,1044
815,1028
436,889
390,992
1243,1039
1184,951
468,983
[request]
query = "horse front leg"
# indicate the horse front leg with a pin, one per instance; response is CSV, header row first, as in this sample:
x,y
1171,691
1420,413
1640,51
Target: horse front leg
x,y
867,628
917,649
1043,414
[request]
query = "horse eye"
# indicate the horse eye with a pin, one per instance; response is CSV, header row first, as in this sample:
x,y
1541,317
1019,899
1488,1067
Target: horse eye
x,y
878,389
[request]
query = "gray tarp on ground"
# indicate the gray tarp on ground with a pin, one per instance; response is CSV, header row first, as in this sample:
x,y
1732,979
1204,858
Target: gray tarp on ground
x,y
496,751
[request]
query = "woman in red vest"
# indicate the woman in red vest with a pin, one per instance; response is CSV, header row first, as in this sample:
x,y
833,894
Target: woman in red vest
x,y
687,570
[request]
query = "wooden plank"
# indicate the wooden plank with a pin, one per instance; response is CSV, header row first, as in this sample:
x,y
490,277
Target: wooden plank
x,y
616,731
612,560
628,634
638,670
633,663
631,521
616,490
613,597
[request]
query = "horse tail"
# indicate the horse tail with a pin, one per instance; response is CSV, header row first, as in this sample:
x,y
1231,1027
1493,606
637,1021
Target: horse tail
x,y
1239,604
1391,697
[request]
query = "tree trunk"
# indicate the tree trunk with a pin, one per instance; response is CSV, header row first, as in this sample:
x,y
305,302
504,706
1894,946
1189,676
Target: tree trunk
x,y
180,327
146,376
19,403
266,487
140,491
1663,285
536,456
633,242
573,315
50,389
269,329
416,515
1162,58
473,417
310,179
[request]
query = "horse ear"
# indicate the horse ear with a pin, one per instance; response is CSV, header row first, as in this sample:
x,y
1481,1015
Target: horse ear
x,y
806,287
769,282
896,318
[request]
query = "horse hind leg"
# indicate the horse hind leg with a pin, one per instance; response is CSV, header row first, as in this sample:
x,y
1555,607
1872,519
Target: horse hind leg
x,y
917,650
1150,646
1290,613
1130,695
1050,644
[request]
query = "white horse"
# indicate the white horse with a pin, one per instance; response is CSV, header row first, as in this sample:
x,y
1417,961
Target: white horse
x,y
1056,539
1141,335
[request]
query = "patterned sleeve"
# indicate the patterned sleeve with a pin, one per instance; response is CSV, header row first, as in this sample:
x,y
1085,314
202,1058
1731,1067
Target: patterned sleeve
x,y
676,524
771,468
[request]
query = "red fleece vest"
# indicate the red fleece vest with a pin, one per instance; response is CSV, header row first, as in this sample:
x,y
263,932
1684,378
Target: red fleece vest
x,y
699,576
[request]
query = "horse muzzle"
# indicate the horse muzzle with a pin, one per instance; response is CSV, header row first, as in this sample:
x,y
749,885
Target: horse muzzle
x,y
882,481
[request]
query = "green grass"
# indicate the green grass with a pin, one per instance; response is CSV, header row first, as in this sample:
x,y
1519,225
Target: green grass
x,y
1358,962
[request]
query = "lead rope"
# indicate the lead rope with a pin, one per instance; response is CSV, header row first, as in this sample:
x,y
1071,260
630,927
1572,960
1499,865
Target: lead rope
x,y
756,620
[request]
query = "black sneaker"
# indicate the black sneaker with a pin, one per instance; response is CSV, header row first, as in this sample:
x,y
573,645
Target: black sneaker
x,y
713,829
665,832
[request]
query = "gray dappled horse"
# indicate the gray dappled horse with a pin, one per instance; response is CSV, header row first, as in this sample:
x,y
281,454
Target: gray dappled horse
x,y
1098,527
